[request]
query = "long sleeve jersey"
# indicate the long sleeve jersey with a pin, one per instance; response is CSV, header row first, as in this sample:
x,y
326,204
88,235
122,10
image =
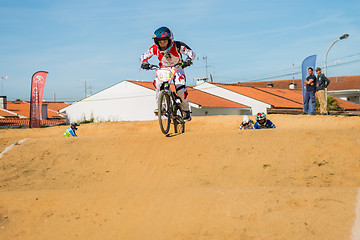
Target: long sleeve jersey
x,y
69,132
172,57
248,126
268,124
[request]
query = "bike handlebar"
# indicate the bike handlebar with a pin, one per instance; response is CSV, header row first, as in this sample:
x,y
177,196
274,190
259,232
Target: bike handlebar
x,y
154,67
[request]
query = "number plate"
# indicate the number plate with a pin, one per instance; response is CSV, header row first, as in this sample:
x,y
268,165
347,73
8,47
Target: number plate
x,y
165,75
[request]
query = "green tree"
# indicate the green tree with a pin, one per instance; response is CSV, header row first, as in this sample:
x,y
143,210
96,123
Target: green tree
x,y
333,105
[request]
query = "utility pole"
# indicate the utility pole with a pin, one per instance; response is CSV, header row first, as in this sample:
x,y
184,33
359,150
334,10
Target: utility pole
x,y
2,84
345,36
139,69
87,86
90,90
85,89
206,66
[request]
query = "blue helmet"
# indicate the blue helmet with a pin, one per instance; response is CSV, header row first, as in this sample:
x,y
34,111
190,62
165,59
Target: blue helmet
x,y
164,33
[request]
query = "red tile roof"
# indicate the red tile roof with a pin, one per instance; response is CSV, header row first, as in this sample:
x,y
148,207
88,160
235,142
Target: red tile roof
x,y
294,95
277,98
23,108
17,109
280,98
346,105
336,83
56,106
200,98
25,121
344,83
5,113
209,100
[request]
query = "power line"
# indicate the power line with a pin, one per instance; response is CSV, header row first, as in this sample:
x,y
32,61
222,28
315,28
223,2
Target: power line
x,y
287,74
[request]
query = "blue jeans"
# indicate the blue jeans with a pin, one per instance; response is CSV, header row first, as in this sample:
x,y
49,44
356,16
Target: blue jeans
x,y
309,102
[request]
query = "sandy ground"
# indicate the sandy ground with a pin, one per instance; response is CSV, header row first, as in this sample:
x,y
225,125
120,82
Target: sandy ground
x,y
126,180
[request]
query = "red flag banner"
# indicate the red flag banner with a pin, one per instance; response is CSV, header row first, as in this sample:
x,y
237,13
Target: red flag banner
x,y
37,90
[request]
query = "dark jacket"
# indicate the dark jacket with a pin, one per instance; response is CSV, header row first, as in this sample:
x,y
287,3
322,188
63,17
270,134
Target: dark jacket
x,y
311,87
322,82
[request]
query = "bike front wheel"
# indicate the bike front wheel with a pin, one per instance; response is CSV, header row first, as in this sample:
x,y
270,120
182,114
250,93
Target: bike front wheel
x,y
164,112
179,123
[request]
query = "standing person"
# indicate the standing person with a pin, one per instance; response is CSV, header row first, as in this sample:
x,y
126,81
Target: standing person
x,y
321,83
309,96
246,123
70,131
262,122
169,53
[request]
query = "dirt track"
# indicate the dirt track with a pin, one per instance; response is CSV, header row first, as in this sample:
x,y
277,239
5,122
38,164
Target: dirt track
x,y
128,181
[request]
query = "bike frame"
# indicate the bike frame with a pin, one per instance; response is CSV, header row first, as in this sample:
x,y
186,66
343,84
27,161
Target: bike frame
x,y
166,75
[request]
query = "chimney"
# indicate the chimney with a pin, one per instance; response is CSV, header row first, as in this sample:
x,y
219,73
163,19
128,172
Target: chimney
x,y
292,86
3,102
44,112
200,80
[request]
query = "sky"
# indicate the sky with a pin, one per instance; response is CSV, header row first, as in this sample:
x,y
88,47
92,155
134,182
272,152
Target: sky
x,y
87,45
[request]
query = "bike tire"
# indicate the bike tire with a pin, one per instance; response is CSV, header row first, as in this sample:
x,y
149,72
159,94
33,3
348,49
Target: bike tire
x,y
164,112
179,123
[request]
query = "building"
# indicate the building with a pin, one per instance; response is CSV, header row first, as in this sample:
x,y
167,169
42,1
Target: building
x,y
265,99
345,87
17,113
135,101
203,103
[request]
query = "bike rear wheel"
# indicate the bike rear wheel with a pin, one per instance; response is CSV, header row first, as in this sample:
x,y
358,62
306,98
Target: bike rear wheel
x,y
164,112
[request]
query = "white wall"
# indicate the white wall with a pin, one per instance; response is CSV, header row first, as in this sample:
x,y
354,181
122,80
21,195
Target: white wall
x,y
256,105
347,95
125,101
207,111
354,99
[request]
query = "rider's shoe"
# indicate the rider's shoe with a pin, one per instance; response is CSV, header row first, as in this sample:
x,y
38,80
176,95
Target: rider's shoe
x,y
187,116
156,111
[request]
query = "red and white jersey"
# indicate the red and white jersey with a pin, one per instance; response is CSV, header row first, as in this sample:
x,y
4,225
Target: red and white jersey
x,y
172,57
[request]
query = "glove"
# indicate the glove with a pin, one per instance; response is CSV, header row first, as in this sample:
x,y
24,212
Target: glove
x,y
145,65
187,62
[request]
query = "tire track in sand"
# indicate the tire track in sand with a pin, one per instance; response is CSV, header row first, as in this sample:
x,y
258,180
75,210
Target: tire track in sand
x,y
11,146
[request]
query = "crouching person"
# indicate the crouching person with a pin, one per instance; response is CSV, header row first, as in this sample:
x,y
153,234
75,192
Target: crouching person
x,y
262,122
246,123
70,131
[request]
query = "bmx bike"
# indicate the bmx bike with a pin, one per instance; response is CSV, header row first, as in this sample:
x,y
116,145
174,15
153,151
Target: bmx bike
x,y
169,110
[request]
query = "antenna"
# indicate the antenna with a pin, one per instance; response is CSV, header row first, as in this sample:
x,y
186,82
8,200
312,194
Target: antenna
x,y
87,86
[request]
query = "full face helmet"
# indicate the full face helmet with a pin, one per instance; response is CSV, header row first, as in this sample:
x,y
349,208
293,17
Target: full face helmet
x,y
246,120
164,33
261,118
74,126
